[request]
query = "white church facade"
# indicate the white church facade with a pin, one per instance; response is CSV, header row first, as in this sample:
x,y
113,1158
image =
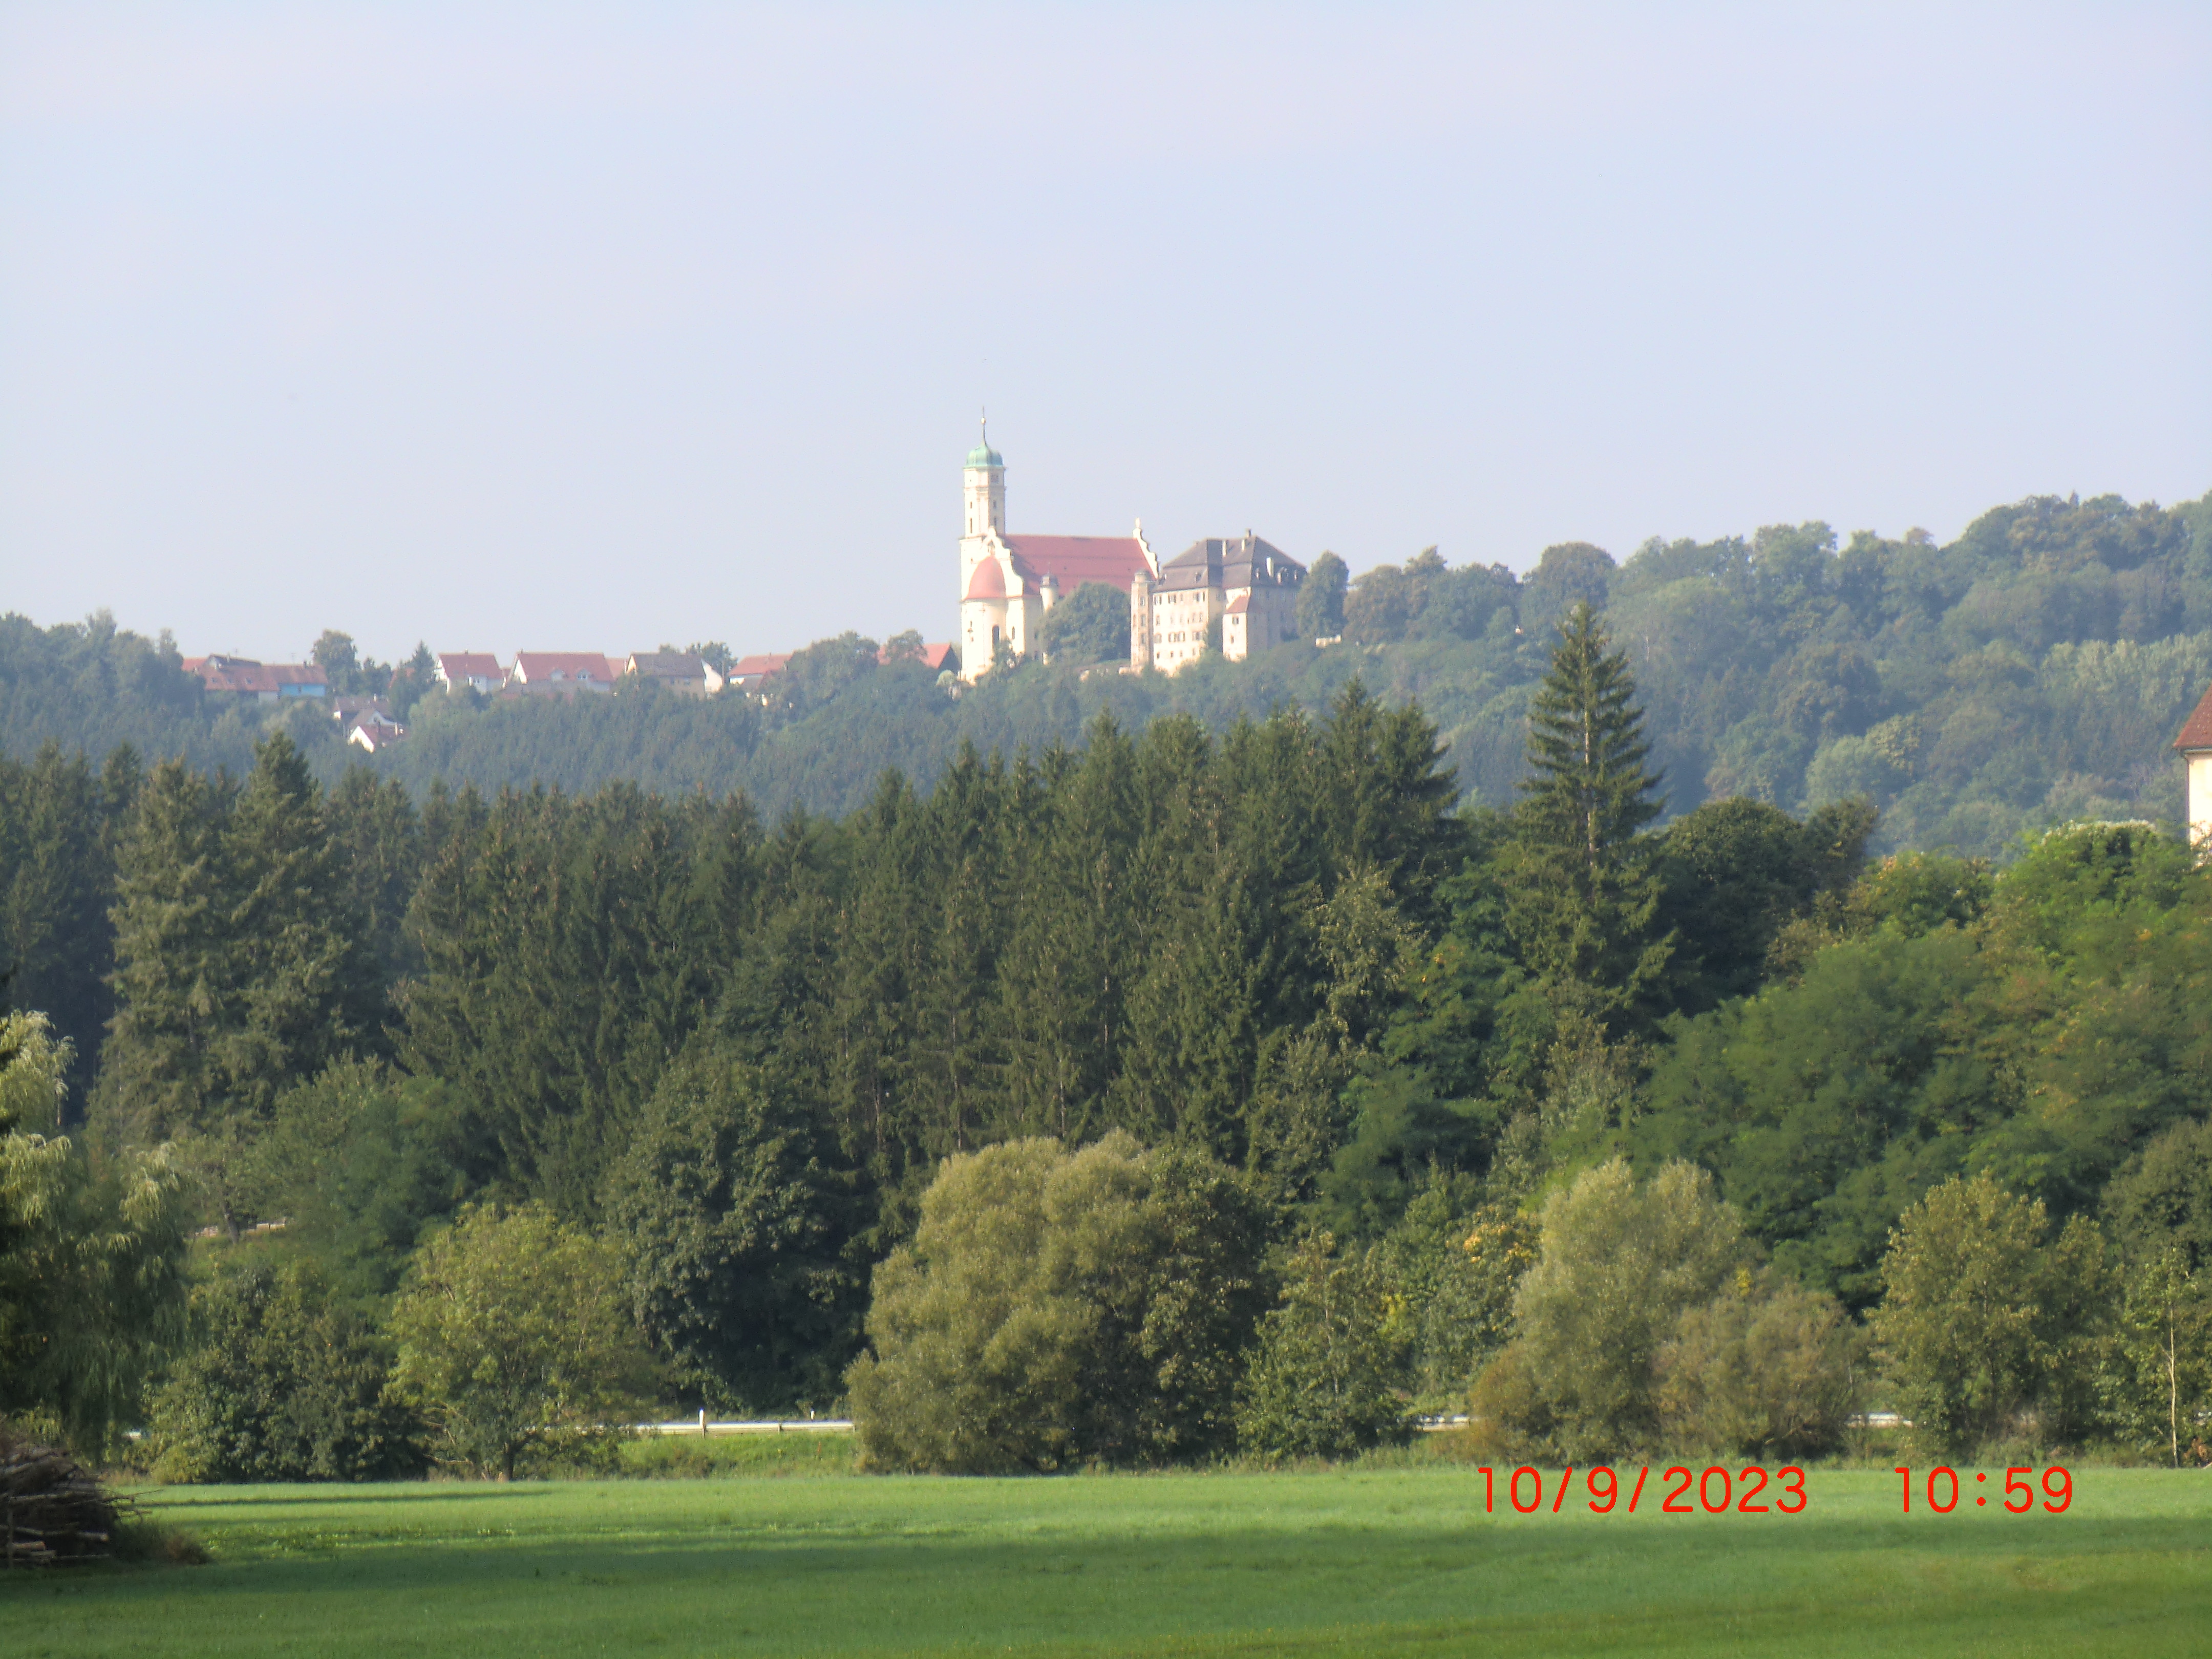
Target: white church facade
x,y
1242,585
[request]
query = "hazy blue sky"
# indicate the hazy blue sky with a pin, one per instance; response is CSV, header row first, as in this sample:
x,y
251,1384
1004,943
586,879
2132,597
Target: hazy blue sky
x,y
591,327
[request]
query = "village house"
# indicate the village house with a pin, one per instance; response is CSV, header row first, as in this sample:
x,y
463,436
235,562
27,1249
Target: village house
x,y
263,681
376,733
679,672
566,672
471,670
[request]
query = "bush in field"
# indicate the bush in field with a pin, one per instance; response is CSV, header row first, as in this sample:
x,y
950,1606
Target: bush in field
x,y
516,1342
1983,1323
278,1383
1618,1265
1057,1307
1766,1369
1322,1381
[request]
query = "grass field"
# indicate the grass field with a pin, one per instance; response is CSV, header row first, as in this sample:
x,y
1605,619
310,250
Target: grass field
x,y
1356,1561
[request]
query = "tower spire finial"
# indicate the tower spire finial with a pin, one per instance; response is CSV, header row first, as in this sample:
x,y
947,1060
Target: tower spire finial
x,y
984,421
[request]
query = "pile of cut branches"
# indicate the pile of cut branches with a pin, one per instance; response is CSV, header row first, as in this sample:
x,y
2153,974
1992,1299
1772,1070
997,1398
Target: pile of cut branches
x,y
52,1508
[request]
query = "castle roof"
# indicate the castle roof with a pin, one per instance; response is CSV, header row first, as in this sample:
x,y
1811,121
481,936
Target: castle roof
x,y
2196,730
1071,561
1231,561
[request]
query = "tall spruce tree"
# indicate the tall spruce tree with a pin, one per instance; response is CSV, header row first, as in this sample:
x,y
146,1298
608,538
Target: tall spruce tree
x,y
56,941
175,983
304,968
1583,894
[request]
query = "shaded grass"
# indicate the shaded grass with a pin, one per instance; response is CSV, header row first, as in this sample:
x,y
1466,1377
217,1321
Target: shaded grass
x,y
1373,1561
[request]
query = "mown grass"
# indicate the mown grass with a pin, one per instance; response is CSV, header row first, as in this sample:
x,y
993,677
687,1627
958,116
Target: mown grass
x,y
1361,1561
683,1456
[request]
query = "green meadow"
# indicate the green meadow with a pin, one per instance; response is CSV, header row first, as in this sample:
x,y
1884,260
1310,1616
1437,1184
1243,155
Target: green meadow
x,y
778,1555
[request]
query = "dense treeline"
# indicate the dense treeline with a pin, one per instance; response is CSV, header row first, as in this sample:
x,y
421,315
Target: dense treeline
x,y
2030,673
1167,1095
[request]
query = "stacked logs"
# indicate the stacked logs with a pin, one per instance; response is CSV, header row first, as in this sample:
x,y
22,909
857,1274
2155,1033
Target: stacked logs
x,y
50,1509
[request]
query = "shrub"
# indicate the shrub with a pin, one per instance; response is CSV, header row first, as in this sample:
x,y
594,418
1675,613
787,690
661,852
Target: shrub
x,y
1321,1382
1981,1324
1056,1307
516,1342
1768,1368
279,1384
1618,1265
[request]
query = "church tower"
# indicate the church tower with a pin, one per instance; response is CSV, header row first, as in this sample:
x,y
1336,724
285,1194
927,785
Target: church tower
x,y
985,488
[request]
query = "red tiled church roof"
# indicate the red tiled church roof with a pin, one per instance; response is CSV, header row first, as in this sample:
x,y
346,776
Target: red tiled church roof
x,y
1071,560
2196,730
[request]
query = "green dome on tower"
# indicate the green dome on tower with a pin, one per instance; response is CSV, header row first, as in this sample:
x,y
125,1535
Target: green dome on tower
x,y
983,454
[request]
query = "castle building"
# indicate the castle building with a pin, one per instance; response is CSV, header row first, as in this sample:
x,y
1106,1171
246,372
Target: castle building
x,y
1250,588
1007,582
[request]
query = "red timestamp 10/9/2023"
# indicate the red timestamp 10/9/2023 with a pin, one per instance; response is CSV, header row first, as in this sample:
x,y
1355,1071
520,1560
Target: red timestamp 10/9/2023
x,y
1714,1491
1940,1490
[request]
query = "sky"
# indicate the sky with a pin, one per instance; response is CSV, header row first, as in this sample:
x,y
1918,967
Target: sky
x,y
565,327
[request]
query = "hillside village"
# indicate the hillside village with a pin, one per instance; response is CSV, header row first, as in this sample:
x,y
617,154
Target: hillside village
x,y
1236,596
370,722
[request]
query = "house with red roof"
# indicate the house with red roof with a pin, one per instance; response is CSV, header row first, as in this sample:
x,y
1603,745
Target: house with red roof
x,y
566,672
747,673
263,681
2194,746
473,670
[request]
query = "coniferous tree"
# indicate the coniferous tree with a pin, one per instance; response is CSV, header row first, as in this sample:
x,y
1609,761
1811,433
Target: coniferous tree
x,y
174,981
1584,895
377,838
1064,975
303,972
57,943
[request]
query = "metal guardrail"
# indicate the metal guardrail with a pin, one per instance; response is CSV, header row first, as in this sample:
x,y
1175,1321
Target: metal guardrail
x,y
780,1425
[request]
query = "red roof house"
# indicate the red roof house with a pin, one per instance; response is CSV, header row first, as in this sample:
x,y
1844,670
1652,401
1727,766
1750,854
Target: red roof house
x,y
478,671
751,671
265,681
564,671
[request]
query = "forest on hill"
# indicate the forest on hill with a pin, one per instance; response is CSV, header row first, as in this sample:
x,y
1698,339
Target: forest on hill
x,y
2030,672
1161,1097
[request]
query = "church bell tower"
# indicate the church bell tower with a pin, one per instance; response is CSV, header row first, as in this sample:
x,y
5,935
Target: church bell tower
x,y
984,482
